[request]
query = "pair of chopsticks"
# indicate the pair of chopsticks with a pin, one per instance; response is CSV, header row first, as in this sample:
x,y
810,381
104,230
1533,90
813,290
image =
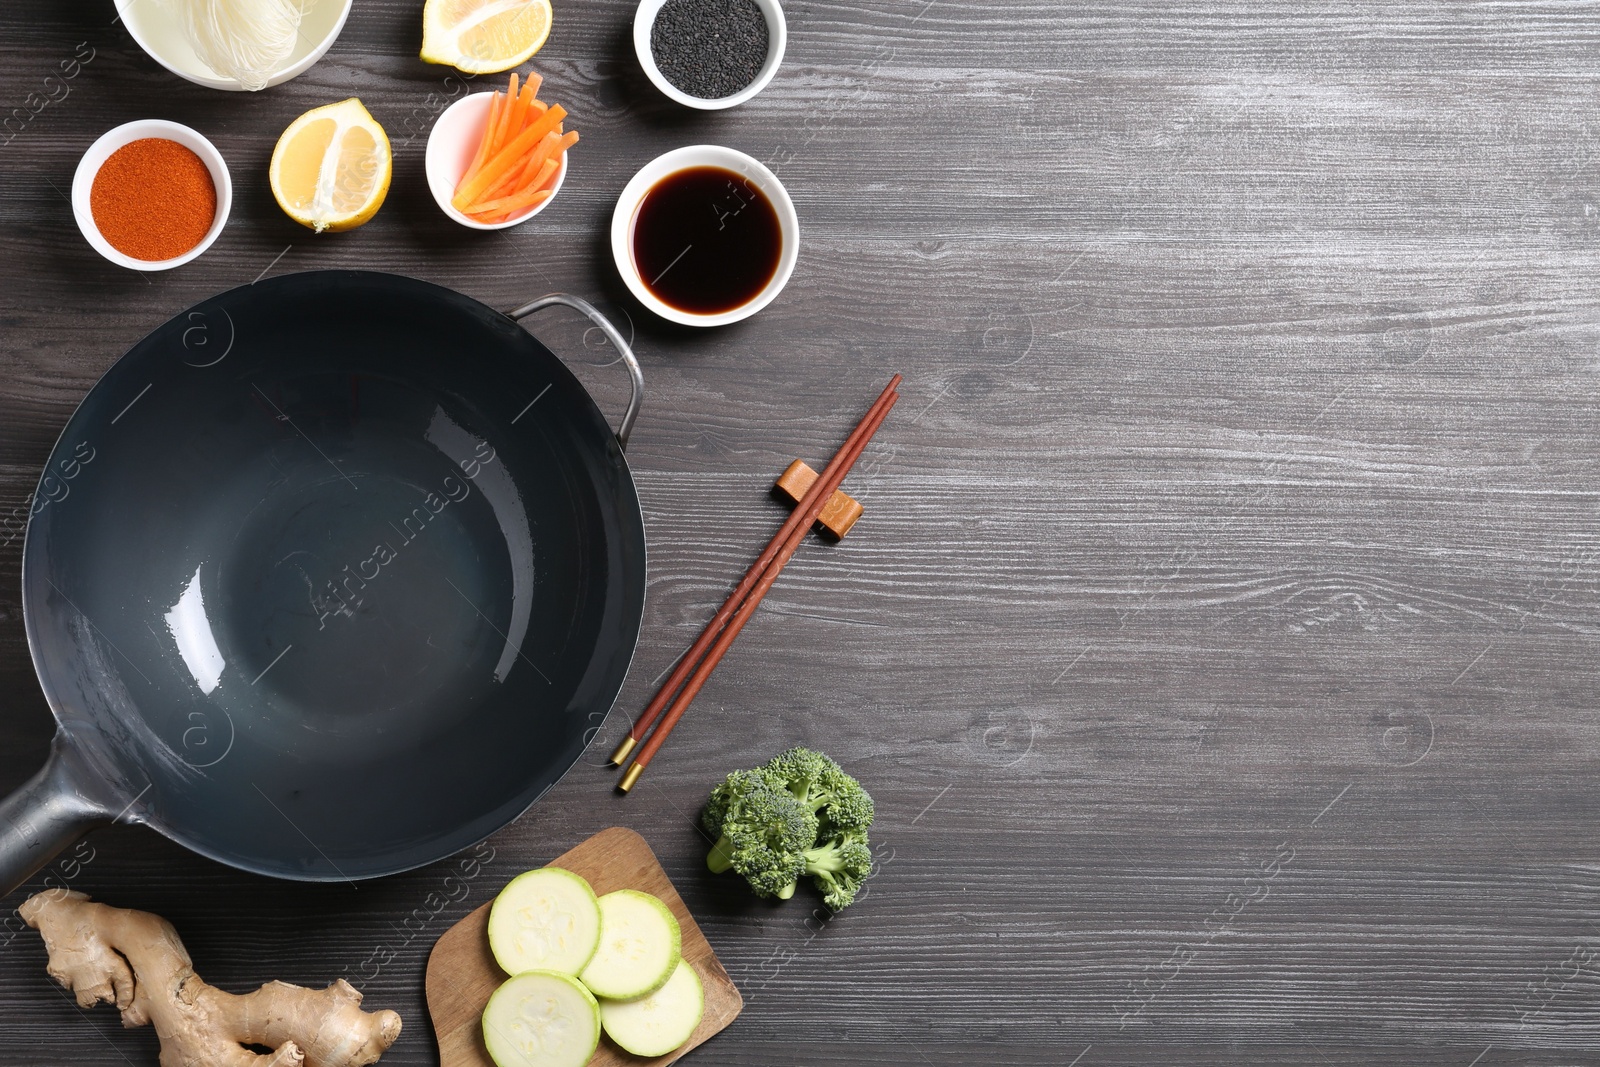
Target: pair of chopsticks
x,y
692,671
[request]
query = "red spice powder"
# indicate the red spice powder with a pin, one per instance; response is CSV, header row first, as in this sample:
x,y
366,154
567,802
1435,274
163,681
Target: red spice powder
x,y
153,199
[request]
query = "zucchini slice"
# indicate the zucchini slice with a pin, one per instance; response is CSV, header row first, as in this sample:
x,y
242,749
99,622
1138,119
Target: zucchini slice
x,y
544,920
639,946
655,1024
541,1019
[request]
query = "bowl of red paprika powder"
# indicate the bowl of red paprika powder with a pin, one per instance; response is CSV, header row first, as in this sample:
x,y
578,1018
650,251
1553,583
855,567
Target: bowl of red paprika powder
x,y
151,194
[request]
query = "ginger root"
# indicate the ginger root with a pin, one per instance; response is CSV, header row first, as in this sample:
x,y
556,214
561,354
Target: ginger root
x,y
134,960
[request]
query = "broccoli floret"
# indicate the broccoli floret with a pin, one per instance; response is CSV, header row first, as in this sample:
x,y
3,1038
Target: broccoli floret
x,y
800,770
763,833
723,797
849,808
823,786
838,868
798,815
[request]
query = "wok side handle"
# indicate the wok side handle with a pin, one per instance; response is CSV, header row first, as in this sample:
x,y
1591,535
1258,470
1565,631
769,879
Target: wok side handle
x,y
45,815
628,358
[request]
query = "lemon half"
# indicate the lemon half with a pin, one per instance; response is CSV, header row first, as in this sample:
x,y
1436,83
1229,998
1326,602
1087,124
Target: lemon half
x,y
483,36
332,166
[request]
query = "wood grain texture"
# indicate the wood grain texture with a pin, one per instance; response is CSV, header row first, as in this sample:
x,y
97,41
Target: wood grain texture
x,y
1220,640
462,973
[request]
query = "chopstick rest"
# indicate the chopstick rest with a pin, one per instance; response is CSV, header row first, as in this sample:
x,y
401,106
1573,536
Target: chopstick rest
x,y
838,514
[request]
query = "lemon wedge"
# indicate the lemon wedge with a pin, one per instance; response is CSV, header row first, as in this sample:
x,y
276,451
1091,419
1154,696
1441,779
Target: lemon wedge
x,y
483,36
331,168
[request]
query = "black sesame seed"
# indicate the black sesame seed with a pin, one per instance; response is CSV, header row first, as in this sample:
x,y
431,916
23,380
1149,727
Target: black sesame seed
x,y
709,48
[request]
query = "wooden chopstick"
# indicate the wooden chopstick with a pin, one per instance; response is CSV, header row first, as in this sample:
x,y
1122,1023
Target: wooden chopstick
x,y
796,520
821,492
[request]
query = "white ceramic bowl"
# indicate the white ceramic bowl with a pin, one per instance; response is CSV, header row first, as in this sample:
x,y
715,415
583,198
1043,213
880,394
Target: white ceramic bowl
x,y
777,40
158,31
109,142
703,155
451,146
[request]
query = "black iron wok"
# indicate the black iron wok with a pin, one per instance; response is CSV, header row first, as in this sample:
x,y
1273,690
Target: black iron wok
x,y
329,577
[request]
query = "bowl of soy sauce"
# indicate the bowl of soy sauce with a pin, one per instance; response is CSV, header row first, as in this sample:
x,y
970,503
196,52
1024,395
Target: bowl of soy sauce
x,y
705,235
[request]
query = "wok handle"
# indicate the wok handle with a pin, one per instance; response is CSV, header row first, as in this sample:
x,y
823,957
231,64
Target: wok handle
x,y
634,373
44,816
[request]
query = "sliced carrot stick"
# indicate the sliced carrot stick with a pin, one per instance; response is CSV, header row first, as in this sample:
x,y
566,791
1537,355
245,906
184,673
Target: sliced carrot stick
x,y
519,111
512,95
539,178
545,123
511,180
483,142
514,179
507,157
550,147
539,172
518,174
532,84
546,174
544,181
555,155
536,110
519,169
505,130
496,133
535,191
500,216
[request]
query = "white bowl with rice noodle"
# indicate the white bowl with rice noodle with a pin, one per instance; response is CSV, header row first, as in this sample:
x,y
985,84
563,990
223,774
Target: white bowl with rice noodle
x,y
157,26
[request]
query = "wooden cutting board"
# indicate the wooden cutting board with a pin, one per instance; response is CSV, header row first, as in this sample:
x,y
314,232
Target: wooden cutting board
x,y
462,972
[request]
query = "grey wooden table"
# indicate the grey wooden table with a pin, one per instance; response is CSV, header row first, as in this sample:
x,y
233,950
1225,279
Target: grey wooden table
x,y
1220,639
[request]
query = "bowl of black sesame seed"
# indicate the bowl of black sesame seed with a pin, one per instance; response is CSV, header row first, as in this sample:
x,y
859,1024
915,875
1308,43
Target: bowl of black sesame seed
x,y
709,54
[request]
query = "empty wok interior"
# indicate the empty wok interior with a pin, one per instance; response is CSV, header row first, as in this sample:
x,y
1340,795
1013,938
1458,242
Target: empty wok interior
x,y
345,570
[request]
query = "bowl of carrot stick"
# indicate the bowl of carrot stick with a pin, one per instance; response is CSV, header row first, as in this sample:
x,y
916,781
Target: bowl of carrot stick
x,y
497,159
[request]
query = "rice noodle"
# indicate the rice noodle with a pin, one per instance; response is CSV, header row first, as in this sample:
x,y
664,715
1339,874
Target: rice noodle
x,y
247,40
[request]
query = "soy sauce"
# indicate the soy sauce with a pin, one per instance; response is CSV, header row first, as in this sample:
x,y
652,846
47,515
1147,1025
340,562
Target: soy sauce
x,y
706,240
